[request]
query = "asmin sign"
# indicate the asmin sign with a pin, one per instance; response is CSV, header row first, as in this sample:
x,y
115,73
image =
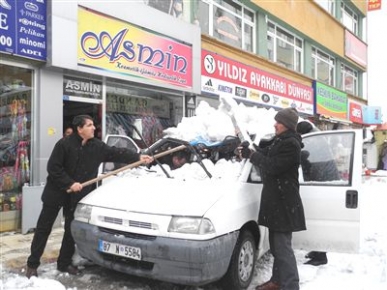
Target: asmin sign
x,y
23,28
113,45
221,75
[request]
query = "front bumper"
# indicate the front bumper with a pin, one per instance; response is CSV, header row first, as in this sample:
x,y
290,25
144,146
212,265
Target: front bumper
x,y
179,261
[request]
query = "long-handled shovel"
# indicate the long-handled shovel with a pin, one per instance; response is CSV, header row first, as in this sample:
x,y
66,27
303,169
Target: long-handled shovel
x,y
129,166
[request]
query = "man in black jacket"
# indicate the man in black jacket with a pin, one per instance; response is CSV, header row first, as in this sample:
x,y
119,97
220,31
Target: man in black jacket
x,y
281,209
74,160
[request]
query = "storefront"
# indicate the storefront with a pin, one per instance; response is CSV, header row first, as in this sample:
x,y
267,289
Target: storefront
x,y
122,106
123,69
22,53
15,142
374,152
253,84
147,73
331,108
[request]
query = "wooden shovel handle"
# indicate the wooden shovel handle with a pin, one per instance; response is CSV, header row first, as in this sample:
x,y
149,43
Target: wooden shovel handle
x,y
129,166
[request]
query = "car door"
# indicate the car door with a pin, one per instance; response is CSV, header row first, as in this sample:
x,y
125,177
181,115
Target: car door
x,y
119,141
330,189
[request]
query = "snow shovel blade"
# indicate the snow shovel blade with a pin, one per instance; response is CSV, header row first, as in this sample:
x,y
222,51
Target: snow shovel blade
x,y
228,105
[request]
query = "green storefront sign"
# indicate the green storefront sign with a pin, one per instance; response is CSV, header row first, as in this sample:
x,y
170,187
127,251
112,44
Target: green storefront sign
x,y
330,102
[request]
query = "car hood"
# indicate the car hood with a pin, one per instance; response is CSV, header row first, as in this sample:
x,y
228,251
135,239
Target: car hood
x,y
159,195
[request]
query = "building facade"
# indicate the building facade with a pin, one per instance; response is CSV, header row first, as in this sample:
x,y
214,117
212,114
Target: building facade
x,y
147,64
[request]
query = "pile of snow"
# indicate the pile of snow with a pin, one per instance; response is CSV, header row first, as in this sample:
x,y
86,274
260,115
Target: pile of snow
x,y
214,125
228,169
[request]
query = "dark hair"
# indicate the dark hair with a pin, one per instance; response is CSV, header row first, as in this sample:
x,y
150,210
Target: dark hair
x,y
304,127
80,120
67,127
182,154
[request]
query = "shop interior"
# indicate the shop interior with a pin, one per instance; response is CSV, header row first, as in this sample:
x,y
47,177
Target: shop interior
x,y
72,109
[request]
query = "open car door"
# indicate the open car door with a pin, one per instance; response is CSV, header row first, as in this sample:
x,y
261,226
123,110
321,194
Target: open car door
x,y
119,141
330,191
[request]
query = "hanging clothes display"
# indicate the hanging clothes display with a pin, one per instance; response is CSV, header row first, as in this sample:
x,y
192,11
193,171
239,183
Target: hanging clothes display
x,y
16,91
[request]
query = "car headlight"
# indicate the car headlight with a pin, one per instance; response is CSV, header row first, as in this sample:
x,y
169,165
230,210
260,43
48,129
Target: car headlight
x,y
83,212
190,225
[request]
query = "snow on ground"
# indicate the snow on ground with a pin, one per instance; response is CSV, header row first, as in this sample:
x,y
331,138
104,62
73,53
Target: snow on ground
x,y
365,270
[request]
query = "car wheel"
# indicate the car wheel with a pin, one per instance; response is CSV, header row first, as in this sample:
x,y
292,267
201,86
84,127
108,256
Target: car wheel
x,y
241,269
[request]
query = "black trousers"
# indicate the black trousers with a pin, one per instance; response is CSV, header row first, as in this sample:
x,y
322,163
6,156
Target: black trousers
x,y
43,229
285,272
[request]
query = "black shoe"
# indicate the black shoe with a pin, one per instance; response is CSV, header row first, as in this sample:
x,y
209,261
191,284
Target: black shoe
x,y
69,269
316,262
31,272
311,255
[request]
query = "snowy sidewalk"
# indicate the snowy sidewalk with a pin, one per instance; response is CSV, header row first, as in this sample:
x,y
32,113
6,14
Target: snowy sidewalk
x,y
15,249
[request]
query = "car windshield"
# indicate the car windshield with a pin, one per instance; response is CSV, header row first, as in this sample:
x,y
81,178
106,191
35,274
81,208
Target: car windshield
x,y
203,153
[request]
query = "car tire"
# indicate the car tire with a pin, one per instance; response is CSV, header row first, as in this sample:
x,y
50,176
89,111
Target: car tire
x,y
241,269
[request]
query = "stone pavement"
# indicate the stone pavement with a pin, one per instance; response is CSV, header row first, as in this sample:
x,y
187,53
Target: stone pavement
x,y
15,249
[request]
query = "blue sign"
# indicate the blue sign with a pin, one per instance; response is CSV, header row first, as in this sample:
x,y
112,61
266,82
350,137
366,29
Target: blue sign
x,y
372,115
23,28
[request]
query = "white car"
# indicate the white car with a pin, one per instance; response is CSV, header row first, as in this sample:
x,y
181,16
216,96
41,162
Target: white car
x,y
194,232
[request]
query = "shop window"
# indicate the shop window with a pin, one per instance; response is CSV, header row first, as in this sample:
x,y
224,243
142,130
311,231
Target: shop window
x,y
284,48
323,67
15,132
140,113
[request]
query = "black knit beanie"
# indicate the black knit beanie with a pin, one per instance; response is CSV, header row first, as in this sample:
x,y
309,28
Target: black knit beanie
x,y
288,117
304,127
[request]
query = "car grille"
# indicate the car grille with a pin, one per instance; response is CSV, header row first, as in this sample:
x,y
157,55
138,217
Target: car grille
x,y
140,224
112,220
119,221
127,234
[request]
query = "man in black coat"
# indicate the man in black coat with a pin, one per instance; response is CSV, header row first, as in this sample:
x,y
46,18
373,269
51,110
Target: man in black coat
x,y
74,160
281,209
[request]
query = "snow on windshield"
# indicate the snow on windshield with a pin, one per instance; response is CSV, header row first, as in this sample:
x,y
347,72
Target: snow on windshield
x,y
211,126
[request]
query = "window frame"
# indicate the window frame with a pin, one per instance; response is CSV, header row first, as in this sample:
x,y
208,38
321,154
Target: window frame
x,y
327,5
316,57
349,14
298,62
342,157
347,71
212,5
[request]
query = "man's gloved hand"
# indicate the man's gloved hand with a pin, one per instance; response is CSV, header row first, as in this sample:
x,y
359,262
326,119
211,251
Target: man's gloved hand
x,y
246,152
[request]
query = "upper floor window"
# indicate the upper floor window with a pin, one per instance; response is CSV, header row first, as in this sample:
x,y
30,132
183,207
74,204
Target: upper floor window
x,y
172,7
228,21
328,5
350,19
323,67
349,79
284,48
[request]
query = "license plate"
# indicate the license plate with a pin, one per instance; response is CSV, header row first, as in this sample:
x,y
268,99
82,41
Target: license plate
x,y
119,250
